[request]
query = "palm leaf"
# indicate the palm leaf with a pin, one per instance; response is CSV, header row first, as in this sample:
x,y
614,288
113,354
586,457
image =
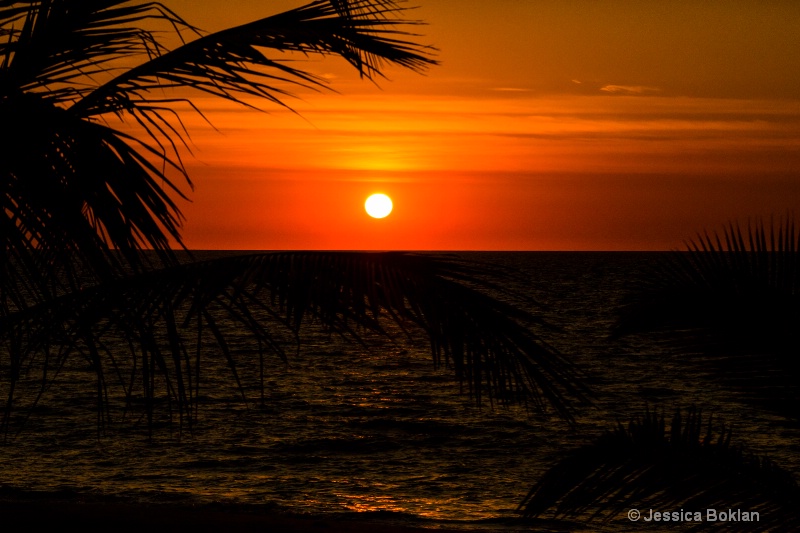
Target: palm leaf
x,y
723,283
230,63
60,47
81,187
733,300
645,466
488,343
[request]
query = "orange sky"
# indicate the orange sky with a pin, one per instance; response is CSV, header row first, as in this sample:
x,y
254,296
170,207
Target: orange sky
x,y
549,125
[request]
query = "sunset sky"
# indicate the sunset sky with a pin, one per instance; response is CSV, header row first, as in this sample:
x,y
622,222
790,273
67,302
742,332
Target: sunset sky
x,y
549,125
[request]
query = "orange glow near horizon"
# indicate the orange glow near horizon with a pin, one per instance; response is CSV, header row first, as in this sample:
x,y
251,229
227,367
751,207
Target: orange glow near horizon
x,y
628,151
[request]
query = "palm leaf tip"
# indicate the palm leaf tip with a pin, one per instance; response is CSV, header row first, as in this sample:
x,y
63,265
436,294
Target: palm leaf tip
x,y
647,466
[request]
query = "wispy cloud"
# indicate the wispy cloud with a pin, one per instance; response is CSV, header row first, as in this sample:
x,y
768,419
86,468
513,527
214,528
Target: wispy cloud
x,y
629,89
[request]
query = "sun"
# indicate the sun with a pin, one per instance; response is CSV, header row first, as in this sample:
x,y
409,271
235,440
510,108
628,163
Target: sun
x,y
378,205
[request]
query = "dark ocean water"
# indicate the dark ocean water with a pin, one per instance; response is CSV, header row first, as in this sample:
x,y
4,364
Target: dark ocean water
x,y
365,431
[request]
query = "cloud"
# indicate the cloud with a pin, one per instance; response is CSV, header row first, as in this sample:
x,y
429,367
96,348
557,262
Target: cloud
x,y
511,89
629,89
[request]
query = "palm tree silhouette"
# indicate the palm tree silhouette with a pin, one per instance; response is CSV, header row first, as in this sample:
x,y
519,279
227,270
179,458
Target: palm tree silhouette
x,y
81,202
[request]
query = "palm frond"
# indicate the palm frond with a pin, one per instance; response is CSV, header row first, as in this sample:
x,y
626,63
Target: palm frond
x,y
230,63
62,46
161,313
647,466
724,282
733,299
72,192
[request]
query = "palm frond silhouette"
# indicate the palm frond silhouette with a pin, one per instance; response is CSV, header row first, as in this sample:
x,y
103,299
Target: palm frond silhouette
x,y
649,466
733,301
81,201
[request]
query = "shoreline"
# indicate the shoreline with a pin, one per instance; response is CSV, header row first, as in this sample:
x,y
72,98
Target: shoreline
x,y
52,510
93,516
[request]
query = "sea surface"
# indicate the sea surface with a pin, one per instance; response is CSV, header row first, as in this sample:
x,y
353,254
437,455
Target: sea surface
x,y
363,431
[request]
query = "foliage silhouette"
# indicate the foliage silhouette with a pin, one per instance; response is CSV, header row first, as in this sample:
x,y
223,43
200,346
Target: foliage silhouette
x,y
88,213
645,466
732,300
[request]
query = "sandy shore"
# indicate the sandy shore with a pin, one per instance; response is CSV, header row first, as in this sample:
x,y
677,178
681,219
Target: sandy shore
x,y
37,514
31,510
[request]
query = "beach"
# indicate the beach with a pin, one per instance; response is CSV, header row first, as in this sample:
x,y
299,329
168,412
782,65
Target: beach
x,y
38,512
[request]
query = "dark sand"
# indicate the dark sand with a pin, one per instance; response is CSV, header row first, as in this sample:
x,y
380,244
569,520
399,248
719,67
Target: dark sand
x,y
40,514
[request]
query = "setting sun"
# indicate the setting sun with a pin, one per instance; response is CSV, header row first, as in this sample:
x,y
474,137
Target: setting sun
x,y
378,206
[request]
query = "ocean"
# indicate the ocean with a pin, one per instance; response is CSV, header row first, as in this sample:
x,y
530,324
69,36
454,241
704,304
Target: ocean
x,y
374,430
